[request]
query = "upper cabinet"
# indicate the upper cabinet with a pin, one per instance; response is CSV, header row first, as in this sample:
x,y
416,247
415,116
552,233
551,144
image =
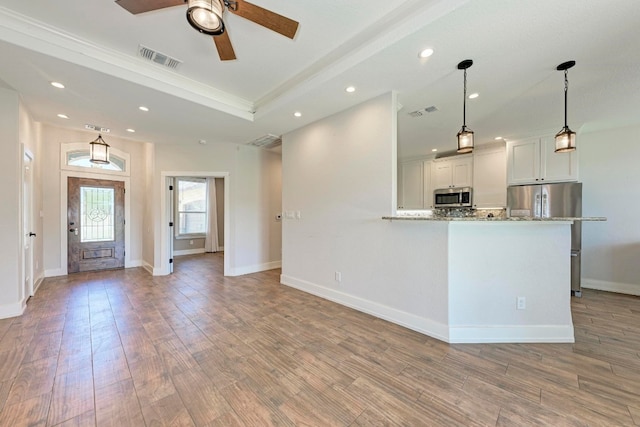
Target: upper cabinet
x,y
414,185
411,191
490,177
452,172
533,161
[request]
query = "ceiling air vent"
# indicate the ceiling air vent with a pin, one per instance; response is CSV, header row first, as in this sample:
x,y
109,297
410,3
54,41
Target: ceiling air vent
x,y
158,58
97,128
423,111
268,141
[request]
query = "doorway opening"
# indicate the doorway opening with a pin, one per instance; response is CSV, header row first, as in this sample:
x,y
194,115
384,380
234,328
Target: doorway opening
x,y
170,221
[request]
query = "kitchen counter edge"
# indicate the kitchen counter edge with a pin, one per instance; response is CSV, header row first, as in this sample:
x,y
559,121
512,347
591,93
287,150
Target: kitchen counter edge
x,y
494,219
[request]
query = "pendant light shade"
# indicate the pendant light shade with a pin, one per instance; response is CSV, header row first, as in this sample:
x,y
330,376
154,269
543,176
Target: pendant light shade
x,y
566,138
206,16
99,151
465,136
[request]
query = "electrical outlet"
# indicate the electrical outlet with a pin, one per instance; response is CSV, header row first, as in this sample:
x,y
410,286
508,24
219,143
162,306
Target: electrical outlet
x,y
521,303
338,277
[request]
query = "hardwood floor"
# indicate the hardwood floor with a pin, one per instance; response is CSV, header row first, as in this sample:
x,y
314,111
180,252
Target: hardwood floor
x,y
123,348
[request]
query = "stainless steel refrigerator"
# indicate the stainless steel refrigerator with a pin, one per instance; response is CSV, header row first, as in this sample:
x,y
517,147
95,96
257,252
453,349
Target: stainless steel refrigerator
x,y
549,201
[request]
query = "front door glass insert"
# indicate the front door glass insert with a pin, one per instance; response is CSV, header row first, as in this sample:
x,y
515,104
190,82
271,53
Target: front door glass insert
x,y
97,214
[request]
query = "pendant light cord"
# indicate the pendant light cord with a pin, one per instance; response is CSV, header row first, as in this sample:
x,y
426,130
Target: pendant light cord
x,y
464,103
566,89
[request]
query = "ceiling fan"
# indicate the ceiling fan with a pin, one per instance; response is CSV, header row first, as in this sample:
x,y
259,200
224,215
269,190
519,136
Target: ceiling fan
x,y
206,17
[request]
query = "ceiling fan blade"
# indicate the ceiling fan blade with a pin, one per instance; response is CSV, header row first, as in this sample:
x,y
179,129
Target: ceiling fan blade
x,y
261,16
141,6
225,49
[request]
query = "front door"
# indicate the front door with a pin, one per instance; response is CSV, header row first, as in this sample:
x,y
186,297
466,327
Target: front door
x,y
95,219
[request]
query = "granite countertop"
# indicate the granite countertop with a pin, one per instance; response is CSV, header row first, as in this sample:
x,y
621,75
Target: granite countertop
x,y
487,219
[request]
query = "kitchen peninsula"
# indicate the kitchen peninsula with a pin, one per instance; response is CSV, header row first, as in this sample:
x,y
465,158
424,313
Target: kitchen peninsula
x,y
504,279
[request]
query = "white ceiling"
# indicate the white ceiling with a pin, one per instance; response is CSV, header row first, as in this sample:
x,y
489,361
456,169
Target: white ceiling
x,y
91,46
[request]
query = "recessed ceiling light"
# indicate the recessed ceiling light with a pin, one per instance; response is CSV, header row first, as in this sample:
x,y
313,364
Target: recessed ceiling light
x,y
143,108
350,89
131,130
57,84
498,138
63,116
297,114
202,142
434,149
426,53
473,96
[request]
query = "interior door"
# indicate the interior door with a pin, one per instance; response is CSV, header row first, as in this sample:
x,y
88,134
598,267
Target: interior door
x,y
170,197
27,228
95,219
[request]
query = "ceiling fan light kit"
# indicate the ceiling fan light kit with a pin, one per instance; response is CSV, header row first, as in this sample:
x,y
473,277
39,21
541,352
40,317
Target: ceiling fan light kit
x,y
206,16
465,136
566,138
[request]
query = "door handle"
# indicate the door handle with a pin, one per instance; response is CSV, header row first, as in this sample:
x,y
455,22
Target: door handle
x,y
73,230
31,234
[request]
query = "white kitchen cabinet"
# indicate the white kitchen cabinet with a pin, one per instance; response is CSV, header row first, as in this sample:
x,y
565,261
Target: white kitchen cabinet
x,y
534,160
411,191
490,177
452,172
426,184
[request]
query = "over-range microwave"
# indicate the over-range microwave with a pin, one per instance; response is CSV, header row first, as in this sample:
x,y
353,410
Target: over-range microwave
x,y
452,197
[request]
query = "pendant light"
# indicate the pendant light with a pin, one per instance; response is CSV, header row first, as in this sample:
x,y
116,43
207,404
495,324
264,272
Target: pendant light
x,y
566,138
465,136
99,151
206,16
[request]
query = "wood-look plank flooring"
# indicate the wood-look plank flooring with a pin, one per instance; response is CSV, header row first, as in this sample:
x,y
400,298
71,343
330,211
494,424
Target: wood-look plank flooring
x,y
123,348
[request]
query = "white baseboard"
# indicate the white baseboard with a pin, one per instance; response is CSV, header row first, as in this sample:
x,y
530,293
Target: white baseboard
x,y
12,310
37,283
511,334
220,248
134,263
601,285
188,252
443,332
147,267
411,321
55,272
255,268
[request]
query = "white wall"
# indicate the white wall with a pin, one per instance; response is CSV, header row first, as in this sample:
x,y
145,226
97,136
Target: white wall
x,y
610,171
254,198
340,174
52,140
10,230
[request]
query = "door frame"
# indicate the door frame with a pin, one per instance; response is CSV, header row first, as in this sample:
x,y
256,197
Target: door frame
x,y
165,213
64,241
